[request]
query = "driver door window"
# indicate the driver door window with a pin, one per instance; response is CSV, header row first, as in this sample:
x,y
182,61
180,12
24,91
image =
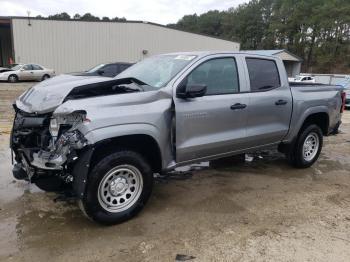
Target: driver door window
x,y
27,67
219,75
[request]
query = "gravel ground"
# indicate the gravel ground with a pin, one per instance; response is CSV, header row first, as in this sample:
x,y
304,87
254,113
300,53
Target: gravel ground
x,y
262,210
8,93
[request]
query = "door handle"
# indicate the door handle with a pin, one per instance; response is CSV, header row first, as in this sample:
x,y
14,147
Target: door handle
x,y
238,106
281,102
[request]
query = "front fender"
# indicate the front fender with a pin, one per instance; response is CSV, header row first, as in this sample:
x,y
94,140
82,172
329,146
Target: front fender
x,y
161,137
100,134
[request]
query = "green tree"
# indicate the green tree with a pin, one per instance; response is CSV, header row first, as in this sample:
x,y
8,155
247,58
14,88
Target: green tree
x,y
316,30
61,16
76,17
89,17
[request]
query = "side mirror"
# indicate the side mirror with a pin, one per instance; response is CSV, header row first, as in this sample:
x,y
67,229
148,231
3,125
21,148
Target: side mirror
x,y
100,72
191,91
22,69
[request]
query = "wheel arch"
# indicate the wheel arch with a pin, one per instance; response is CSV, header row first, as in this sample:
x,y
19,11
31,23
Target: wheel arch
x,y
143,144
320,119
317,116
13,74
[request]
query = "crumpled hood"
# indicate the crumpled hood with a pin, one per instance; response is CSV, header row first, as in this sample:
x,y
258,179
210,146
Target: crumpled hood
x,y
48,95
4,69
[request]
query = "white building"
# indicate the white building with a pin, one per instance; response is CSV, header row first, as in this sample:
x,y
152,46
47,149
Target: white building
x,y
73,45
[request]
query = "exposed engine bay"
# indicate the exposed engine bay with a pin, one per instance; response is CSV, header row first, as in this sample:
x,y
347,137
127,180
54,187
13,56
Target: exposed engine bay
x,y
46,146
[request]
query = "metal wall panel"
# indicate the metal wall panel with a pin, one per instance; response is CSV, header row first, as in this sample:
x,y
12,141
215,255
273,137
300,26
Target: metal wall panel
x,y
68,46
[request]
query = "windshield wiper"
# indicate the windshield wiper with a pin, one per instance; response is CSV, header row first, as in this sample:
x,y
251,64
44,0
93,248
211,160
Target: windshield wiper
x,y
135,81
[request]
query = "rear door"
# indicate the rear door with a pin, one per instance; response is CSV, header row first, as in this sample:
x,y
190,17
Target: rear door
x,y
270,107
215,123
38,72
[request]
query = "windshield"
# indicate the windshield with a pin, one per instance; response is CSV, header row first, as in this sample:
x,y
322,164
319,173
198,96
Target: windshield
x,y
16,67
157,71
95,68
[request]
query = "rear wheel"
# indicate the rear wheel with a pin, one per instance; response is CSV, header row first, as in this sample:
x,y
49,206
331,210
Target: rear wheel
x,y
307,147
45,77
118,187
12,78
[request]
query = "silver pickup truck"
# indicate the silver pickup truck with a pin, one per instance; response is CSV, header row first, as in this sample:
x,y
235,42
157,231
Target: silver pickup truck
x,y
102,140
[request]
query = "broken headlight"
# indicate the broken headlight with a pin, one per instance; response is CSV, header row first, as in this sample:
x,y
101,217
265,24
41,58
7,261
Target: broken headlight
x,y
70,122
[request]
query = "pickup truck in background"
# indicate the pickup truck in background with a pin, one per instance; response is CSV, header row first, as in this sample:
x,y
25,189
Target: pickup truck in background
x,y
102,140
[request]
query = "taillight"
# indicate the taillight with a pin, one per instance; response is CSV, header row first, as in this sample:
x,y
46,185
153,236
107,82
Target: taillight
x,y
342,95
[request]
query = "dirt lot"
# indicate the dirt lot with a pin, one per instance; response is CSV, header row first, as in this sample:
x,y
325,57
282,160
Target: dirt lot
x,y
262,210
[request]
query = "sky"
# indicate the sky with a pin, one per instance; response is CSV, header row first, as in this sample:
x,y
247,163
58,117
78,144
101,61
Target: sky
x,y
157,11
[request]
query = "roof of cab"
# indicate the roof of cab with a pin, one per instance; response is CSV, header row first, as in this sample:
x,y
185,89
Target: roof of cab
x,y
206,53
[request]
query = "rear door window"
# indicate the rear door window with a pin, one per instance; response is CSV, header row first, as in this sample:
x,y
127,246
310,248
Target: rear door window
x,y
36,67
263,74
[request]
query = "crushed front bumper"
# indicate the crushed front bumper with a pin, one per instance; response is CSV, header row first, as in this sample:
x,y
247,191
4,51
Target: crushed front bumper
x,y
37,155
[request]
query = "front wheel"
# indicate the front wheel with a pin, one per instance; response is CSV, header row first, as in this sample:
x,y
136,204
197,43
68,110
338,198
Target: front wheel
x,y
307,147
118,188
12,79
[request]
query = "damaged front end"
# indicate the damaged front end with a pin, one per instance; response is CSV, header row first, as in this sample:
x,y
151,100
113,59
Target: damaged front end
x,y
47,147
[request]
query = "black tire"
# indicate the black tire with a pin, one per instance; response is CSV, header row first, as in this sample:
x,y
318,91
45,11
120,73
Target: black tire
x,y
296,155
12,79
45,77
91,204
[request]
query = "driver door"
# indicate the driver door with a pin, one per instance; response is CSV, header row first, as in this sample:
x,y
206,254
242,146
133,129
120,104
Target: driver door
x,y
26,73
214,124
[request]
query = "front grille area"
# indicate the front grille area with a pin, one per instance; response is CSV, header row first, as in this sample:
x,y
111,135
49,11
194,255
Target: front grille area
x,y
30,133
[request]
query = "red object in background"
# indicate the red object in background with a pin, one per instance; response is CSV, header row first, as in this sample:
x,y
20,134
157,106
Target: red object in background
x,y
10,61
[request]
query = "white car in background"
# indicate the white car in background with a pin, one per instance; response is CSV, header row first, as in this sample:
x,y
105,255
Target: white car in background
x,y
304,79
26,72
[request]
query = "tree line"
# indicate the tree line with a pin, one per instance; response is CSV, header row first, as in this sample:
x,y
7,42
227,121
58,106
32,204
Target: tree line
x,y
316,30
84,17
